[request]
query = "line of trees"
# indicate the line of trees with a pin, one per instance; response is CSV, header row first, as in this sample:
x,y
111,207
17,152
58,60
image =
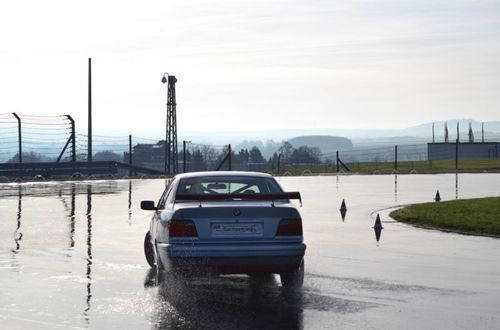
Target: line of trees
x,y
204,157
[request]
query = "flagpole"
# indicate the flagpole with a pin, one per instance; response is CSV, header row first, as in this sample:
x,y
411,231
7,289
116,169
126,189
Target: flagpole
x,y
446,132
482,132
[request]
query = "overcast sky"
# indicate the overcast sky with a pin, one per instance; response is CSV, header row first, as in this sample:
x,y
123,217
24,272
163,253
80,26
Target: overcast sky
x,y
252,65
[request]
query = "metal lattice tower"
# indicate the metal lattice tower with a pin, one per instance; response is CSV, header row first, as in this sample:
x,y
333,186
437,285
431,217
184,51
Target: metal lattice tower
x,y
171,163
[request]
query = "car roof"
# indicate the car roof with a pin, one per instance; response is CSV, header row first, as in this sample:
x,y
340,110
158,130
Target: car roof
x,y
222,174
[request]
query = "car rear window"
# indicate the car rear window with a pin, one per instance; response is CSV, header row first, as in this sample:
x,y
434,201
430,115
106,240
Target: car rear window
x,y
228,185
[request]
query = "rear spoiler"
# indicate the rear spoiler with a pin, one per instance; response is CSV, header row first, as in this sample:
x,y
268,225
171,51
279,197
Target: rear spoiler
x,y
254,197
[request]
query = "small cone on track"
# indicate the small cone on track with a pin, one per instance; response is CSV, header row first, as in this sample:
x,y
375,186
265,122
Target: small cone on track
x,y
378,228
438,197
343,210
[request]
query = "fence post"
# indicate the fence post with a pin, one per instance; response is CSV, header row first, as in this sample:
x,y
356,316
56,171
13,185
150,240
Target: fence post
x,y
19,139
183,156
396,157
337,161
279,163
456,154
130,154
229,157
73,137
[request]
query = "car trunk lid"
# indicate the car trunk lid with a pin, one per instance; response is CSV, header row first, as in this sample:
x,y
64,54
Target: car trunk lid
x,y
241,221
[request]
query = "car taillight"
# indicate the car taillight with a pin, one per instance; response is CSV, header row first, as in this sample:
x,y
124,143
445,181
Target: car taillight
x,y
289,227
182,228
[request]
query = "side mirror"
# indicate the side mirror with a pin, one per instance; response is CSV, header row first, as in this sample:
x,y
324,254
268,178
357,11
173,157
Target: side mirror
x,y
148,206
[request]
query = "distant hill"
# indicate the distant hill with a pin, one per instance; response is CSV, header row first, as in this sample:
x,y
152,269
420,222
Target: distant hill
x,y
326,143
423,131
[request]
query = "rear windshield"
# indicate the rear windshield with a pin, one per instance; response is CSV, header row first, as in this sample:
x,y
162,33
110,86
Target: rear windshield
x,y
228,185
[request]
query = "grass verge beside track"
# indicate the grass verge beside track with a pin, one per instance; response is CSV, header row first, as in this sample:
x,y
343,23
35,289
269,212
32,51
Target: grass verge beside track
x,y
403,167
472,216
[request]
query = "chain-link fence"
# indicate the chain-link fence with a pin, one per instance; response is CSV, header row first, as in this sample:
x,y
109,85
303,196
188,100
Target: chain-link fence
x,y
27,138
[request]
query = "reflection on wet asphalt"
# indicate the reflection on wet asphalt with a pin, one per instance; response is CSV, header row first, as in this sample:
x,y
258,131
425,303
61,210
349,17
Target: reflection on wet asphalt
x,y
89,252
213,302
46,189
70,207
71,257
195,303
229,302
18,235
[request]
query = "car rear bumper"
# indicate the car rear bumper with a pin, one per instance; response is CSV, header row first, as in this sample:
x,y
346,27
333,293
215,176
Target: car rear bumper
x,y
233,259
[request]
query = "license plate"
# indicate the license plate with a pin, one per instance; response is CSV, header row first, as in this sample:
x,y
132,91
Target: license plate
x,y
236,229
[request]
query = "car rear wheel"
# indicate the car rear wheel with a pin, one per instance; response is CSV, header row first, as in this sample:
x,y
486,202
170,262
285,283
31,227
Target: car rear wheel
x,y
148,250
295,279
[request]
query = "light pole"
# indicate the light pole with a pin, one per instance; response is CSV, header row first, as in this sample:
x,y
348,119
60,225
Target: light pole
x,y
167,150
171,127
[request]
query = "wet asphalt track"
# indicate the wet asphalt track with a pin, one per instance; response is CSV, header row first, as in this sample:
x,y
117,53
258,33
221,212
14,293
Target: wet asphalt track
x,y
71,257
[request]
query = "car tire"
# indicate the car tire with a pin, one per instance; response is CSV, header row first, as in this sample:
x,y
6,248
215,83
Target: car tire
x,y
294,279
148,250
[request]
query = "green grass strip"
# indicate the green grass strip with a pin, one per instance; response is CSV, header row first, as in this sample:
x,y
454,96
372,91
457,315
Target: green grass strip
x,y
424,166
475,216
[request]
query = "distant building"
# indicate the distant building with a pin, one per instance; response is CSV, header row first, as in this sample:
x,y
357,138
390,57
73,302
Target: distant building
x,y
466,150
148,155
